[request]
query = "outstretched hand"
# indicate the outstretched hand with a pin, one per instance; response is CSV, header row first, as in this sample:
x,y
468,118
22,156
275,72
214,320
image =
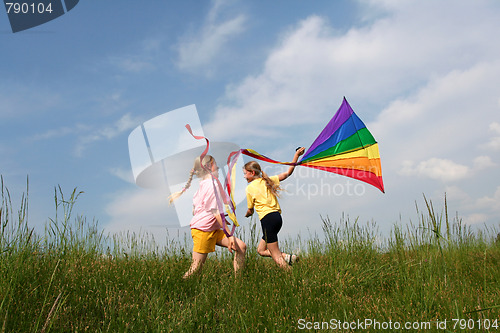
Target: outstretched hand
x,y
231,245
300,151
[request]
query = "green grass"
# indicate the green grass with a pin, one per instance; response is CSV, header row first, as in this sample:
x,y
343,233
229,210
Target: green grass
x,y
73,278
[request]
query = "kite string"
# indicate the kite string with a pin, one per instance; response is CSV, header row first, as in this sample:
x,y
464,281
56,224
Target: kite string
x,y
254,154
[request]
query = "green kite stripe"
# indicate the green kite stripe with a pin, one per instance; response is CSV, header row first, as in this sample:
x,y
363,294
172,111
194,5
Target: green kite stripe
x,y
360,139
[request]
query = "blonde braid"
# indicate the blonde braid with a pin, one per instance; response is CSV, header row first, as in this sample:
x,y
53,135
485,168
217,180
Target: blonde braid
x,y
176,195
197,171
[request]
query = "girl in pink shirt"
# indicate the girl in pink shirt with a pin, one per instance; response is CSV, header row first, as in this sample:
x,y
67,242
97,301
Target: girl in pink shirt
x,y
206,224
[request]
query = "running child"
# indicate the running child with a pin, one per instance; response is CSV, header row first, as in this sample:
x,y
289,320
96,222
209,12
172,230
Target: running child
x,y
206,224
262,196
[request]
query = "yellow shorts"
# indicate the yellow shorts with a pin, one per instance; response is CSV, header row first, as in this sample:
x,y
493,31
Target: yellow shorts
x,y
204,241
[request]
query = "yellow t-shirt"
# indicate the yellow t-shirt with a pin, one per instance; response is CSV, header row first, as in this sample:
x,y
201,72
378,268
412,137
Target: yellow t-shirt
x,y
260,198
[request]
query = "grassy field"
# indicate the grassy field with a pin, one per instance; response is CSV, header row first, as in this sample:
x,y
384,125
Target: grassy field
x,y
435,276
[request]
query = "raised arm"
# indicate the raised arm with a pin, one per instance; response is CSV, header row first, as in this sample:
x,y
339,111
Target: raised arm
x,y
286,174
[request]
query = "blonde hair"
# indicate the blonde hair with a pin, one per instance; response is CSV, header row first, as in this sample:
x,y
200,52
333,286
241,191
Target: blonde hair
x,y
200,169
253,166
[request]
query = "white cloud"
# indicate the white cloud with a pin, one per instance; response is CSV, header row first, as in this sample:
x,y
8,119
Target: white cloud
x,y
290,91
313,66
438,169
492,203
456,194
143,60
124,124
495,127
477,218
19,101
133,63
445,170
145,215
199,50
111,102
139,208
57,133
123,174
86,134
472,209
483,162
494,142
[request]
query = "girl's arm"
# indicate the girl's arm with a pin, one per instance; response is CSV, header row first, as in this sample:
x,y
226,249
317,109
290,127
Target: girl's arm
x,y
249,204
224,226
249,212
285,175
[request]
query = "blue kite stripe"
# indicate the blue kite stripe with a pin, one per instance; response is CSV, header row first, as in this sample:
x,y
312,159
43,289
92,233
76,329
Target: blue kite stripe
x,y
346,130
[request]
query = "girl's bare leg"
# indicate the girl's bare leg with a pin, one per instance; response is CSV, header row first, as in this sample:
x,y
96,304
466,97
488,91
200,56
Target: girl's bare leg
x,y
272,250
198,261
240,249
263,250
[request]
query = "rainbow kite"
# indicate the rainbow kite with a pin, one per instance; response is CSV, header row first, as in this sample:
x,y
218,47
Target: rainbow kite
x,y
345,147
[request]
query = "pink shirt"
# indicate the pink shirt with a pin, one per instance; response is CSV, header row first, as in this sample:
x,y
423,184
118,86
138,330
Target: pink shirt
x,y
204,207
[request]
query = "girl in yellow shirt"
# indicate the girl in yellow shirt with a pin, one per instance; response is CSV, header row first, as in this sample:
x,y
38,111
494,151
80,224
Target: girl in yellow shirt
x,y
262,192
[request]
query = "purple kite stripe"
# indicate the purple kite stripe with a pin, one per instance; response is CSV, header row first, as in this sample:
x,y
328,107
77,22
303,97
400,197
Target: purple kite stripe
x,y
340,117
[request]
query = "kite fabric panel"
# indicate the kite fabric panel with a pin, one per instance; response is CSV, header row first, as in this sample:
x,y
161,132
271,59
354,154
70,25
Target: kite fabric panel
x,y
345,147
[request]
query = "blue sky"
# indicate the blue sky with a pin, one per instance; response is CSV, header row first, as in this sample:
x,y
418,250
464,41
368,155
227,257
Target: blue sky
x,y
268,75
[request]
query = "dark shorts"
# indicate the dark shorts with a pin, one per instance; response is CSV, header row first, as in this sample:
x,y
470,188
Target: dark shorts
x,y
271,225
